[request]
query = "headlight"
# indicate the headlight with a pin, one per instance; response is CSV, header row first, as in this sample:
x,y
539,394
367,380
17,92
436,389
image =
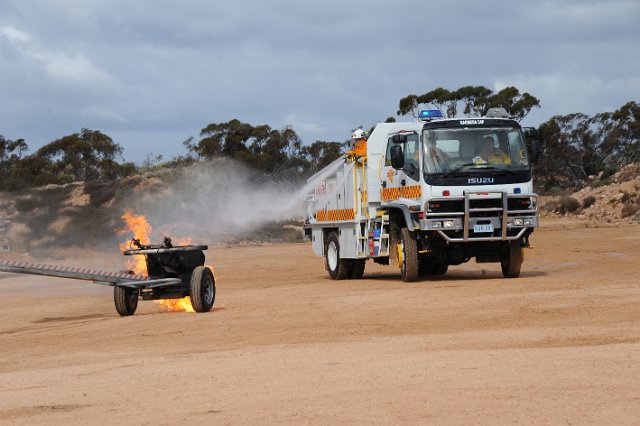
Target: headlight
x,y
436,225
518,222
447,224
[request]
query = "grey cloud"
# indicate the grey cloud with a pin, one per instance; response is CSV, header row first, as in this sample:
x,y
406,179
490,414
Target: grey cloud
x,y
152,73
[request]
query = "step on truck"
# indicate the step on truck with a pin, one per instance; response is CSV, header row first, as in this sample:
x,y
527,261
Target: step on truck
x,y
428,195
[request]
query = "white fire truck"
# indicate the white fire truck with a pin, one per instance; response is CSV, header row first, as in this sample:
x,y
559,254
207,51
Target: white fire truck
x,y
428,194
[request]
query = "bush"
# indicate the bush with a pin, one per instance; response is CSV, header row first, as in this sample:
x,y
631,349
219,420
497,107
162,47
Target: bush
x,y
568,204
629,210
588,201
625,197
551,206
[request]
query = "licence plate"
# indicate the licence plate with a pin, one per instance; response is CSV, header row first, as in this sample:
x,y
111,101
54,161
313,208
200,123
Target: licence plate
x,y
483,228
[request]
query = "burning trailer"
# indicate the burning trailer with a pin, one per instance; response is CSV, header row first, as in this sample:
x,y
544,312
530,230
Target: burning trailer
x,y
173,272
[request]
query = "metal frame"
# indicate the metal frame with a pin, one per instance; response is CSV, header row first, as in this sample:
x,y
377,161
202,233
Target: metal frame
x,y
466,216
114,279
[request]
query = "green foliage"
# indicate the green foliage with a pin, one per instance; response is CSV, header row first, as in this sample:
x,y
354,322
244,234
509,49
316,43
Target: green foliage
x,y
271,151
578,146
476,101
86,156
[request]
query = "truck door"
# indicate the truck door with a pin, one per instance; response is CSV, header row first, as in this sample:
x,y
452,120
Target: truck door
x,y
401,182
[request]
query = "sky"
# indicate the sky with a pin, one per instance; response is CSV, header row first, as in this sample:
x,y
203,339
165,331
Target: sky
x,y
151,74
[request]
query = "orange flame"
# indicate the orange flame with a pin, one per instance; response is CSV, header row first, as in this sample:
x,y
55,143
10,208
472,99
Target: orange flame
x,y
141,229
139,226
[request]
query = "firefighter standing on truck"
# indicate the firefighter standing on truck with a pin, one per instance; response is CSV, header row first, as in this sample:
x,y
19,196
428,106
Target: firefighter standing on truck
x,y
359,138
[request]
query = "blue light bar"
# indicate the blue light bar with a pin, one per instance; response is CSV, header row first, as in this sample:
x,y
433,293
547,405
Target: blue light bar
x,y
428,114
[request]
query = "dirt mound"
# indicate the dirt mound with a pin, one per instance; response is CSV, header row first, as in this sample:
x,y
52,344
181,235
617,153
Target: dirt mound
x,y
615,199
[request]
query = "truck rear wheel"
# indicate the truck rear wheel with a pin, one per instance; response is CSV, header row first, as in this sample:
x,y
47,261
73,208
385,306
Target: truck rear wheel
x,y
511,259
408,251
126,300
203,289
439,268
338,268
358,269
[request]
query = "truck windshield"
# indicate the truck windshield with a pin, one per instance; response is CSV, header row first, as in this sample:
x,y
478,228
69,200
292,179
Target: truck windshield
x,y
472,149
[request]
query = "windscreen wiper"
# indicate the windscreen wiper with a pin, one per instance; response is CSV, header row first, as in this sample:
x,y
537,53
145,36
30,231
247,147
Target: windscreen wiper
x,y
477,166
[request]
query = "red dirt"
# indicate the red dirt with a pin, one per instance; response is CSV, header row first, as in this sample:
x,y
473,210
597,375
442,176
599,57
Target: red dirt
x,y
559,345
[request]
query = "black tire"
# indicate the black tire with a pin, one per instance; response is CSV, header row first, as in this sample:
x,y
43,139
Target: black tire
x,y
409,261
511,259
439,268
339,269
203,289
424,265
126,300
357,271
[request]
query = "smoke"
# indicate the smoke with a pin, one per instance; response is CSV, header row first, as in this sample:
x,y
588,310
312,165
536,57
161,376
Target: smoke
x,y
219,199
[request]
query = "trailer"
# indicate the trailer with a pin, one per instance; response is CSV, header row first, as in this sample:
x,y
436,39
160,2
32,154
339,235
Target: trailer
x,y
427,195
173,272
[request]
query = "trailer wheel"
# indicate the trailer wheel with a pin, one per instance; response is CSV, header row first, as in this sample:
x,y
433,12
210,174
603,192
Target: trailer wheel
x,y
126,300
408,251
511,259
358,269
203,289
338,268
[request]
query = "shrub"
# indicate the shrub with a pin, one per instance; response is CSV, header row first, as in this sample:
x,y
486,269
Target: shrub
x,y
625,197
588,201
568,204
629,210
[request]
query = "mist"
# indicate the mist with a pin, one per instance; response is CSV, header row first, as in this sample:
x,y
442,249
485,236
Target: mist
x,y
219,199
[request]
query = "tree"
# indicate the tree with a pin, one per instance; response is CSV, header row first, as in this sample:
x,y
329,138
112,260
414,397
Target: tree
x,y
10,156
268,150
475,100
578,145
85,156
322,153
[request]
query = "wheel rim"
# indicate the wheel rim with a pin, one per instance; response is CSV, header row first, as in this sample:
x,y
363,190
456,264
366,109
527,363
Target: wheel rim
x,y
401,256
332,256
207,291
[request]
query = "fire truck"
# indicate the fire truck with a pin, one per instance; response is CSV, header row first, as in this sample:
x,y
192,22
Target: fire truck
x,y
428,195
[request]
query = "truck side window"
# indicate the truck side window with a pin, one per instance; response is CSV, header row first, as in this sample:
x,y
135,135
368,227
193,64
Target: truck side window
x,y
412,158
387,155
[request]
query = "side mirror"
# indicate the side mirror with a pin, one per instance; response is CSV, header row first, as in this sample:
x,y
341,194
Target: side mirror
x,y
397,156
534,150
399,138
532,139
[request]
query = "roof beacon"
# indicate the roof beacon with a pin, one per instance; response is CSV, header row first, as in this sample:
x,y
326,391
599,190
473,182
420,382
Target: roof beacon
x,y
430,114
498,112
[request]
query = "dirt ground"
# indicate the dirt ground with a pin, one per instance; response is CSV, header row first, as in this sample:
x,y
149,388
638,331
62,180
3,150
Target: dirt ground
x,y
284,344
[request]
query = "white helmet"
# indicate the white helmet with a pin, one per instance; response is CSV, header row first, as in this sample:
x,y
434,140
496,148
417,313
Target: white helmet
x,y
359,134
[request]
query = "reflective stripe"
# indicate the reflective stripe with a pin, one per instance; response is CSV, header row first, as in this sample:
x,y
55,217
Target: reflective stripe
x,y
414,191
333,215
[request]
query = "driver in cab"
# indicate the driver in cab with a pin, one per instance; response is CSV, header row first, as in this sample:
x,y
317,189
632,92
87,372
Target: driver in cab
x,y
435,158
491,153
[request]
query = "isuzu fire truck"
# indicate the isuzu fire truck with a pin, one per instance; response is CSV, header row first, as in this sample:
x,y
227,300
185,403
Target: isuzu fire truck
x,y
428,195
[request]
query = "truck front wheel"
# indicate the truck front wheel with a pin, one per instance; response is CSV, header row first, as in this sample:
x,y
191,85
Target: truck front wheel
x,y
338,268
408,255
511,259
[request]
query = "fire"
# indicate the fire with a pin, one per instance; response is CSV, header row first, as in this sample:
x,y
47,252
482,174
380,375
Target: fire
x,y
139,226
141,229
176,305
